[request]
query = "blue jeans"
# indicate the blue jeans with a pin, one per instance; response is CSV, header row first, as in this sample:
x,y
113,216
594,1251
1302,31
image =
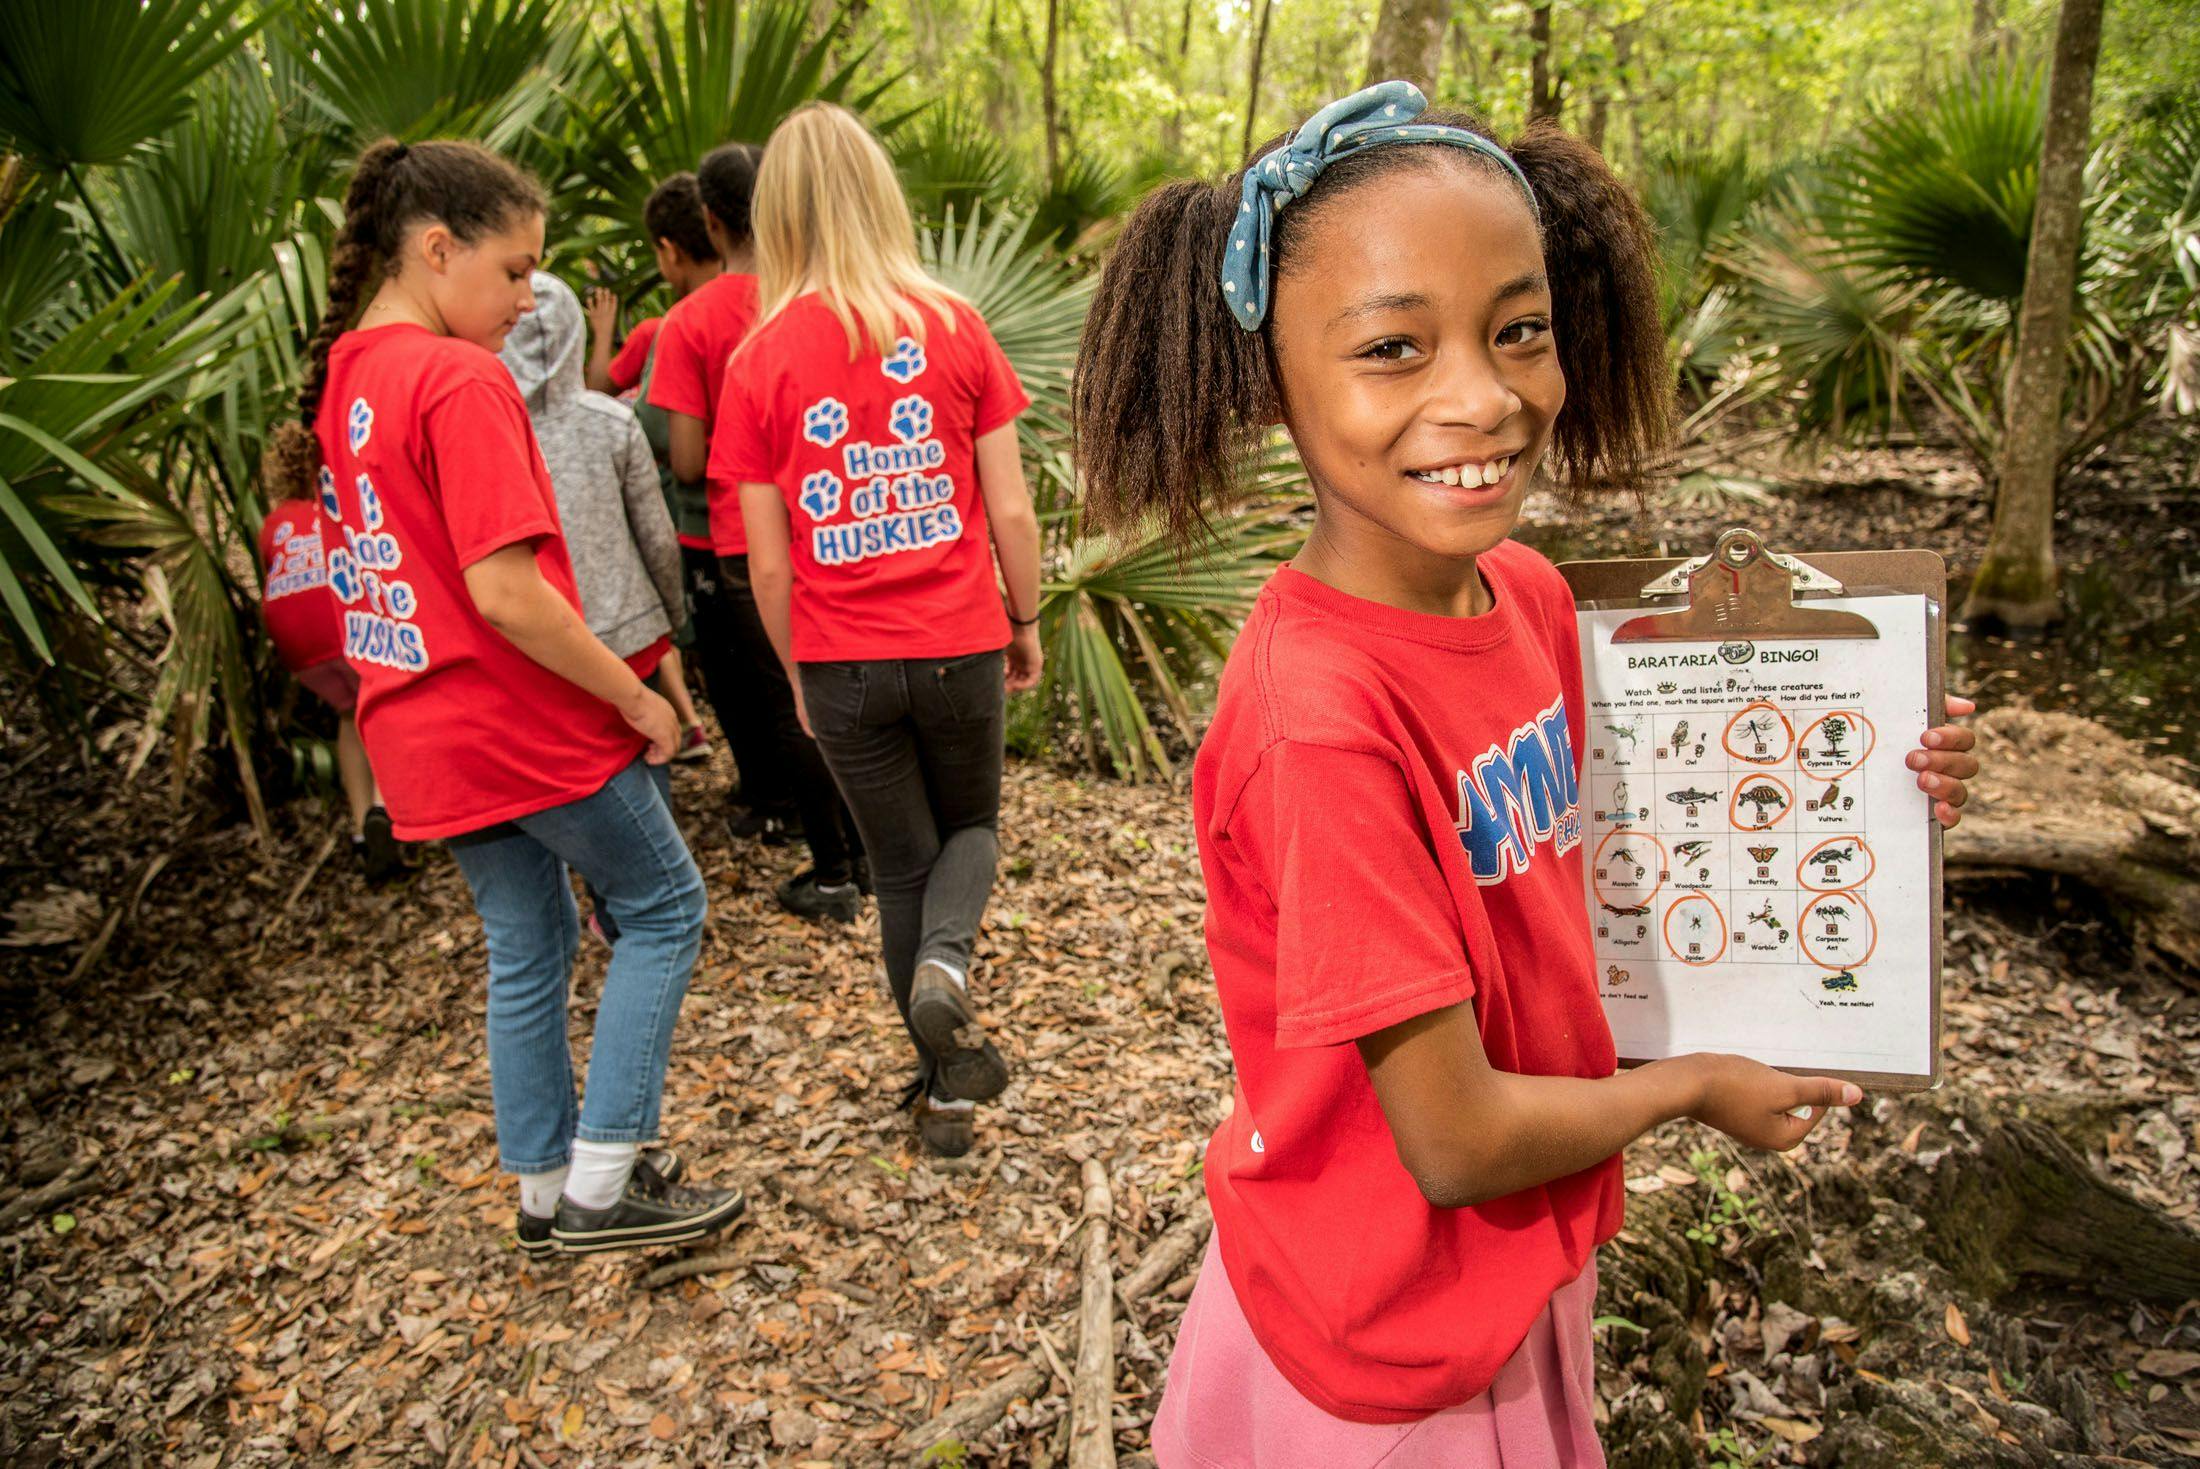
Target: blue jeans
x,y
623,842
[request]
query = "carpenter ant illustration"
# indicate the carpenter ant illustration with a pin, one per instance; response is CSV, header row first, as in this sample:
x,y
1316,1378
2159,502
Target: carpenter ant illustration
x,y
1689,798
1833,910
1825,802
1845,980
1694,852
1627,732
1771,921
1761,797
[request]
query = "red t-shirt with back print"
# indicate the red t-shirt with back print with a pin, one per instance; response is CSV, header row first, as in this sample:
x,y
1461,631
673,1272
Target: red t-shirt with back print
x,y
699,334
294,596
633,354
429,464
1388,822
876,462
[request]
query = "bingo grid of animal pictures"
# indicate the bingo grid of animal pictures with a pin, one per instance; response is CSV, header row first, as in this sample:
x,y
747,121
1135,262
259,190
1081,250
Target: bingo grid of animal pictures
x,y
1736,835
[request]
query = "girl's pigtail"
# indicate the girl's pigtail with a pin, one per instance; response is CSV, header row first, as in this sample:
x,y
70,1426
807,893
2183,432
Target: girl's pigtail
x,y
292,459
1600,252
1169,394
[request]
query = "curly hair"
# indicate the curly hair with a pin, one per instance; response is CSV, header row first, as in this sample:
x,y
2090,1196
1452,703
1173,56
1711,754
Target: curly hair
x,y
726,181
464,187
1170,394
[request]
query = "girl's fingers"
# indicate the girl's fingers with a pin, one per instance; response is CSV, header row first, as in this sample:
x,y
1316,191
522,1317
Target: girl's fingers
x,y
1946,814
1952,763
1958,706
1948,737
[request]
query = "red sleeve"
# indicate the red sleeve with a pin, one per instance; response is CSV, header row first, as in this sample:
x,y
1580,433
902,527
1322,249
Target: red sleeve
x,y
485,462
1001,394
633,354
1366,934
678,385
742,448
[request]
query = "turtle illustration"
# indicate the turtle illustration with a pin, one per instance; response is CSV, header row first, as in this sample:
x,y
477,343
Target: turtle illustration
x,y
1761,797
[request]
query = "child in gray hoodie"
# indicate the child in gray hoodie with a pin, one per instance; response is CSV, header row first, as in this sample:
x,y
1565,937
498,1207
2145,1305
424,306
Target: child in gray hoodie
x,y
626,558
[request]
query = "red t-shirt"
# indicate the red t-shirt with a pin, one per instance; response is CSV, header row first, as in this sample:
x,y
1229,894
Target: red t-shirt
x,y
633,354
301,615
430,465
876,460
700,333
1388,823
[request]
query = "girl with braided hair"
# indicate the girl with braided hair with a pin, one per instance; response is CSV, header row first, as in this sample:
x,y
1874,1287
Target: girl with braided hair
x,y
1423,1152
495,720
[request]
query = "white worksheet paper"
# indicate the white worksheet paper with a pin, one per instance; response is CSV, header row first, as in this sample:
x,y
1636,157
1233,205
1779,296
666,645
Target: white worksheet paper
x,y
1758,854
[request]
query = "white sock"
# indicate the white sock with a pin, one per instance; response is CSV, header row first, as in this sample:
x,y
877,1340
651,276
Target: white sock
x,y
538,1192
962,981
600,1172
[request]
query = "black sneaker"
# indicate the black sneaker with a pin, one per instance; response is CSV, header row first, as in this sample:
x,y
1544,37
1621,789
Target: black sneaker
x,y
653,1211
970,1069
804,896
863,877
947,1128
534,1229
380,856
772,828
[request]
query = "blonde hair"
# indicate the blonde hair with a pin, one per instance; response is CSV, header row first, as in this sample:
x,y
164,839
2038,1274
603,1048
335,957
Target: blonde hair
x,y
829,216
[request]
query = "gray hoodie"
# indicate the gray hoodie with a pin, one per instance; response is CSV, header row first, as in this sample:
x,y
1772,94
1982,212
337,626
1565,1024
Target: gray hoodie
x,y
626,558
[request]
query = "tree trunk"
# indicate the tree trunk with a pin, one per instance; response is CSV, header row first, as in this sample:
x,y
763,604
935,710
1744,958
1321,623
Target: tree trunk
x,y
1408,44
1047,100
1252,89
1545,99
1172,128
1985,27
2017,577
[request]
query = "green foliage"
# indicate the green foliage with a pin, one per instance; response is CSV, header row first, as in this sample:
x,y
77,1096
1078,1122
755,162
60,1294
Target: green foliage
x,y
84,82
951,163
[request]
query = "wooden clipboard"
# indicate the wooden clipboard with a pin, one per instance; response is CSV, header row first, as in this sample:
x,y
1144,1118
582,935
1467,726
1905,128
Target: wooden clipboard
x,y
1744,591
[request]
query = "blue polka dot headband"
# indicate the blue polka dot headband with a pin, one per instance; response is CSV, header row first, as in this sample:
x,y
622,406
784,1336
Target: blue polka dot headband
x,y
1377,115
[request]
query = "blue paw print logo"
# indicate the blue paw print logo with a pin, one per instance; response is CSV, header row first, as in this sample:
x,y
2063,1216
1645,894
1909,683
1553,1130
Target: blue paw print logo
x,y
821,494
912,418
358,424
329,506
825,421
343,576
370,503
904,362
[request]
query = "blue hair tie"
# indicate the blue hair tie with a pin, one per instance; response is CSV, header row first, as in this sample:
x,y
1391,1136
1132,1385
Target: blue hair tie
x,y
1369,118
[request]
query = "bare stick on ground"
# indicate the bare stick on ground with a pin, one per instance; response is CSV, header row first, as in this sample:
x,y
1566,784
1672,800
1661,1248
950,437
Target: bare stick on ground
x,y
1092,1390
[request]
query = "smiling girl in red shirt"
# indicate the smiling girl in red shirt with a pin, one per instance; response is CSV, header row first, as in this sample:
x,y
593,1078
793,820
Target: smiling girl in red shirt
x,y
1423,1153
870,424
494,718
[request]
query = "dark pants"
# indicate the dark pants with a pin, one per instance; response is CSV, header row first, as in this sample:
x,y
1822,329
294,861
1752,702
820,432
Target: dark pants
x,y
743,714
915,745
804,780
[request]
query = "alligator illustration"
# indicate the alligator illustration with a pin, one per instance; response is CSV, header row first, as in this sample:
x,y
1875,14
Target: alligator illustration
x,y
1762,796
1689,798
1845,980
1635,912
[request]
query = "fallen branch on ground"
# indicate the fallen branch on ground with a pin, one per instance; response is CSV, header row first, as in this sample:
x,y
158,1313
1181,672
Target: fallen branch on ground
x,y
1092,1390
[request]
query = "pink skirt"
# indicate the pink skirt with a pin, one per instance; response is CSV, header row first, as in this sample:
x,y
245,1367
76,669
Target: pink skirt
x,y
1227,1407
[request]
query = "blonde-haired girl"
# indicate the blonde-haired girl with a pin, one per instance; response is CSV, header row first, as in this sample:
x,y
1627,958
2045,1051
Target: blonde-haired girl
x,y
869,421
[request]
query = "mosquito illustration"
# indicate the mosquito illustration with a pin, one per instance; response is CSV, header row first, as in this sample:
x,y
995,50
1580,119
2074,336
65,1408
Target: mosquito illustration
x,y
1627,855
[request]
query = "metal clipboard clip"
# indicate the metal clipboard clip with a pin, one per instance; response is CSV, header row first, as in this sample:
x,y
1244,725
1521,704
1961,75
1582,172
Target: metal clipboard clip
x,y
1742,590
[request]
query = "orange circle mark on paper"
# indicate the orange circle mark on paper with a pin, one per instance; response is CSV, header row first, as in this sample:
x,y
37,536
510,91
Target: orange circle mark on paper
x,y
1734,803
1871,742
1787,732
1802,931
1871,867
1666,928
1664,865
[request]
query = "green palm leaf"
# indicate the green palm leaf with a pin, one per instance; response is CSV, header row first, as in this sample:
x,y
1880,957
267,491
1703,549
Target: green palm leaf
x,y
83,82
952,163
486,69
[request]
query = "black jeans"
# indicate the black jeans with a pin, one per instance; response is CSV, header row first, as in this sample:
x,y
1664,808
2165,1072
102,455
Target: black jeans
x,y
803,779
915,745
742,713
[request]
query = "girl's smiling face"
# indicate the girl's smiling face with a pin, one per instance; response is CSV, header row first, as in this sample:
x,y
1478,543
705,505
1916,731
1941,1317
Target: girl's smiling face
x,y
1411,333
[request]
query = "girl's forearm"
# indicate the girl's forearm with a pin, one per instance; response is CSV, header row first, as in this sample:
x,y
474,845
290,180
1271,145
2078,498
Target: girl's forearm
x,y
1550,1127
543,625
